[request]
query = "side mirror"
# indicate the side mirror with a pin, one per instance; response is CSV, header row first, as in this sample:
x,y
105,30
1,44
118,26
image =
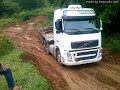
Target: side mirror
x,y
101,25
58,25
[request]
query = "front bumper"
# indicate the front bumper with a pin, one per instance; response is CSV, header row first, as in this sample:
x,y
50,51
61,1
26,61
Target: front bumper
x,y
81,62
83,57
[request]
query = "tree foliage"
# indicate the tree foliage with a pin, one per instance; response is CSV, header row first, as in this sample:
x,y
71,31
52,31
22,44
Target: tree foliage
x,y
8,7
30,4
108,12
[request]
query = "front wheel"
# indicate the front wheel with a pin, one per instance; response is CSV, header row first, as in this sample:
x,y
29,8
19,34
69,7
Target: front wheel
x,y
59,57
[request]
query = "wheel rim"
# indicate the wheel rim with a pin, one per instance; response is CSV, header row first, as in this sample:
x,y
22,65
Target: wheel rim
x,y
59,57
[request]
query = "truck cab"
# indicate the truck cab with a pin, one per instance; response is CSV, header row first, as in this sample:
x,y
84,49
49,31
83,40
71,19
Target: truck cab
x,y
76,36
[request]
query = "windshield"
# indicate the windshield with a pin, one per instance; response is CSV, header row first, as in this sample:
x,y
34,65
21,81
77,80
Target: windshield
x,y
81,27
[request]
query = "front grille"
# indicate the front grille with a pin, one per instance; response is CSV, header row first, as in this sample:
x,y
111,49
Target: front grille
x,y
86,57
84,44
87,53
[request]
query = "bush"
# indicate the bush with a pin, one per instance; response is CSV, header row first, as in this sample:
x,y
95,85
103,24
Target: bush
x,y
6,45
27,14
8,7
47,11
112,42
23,15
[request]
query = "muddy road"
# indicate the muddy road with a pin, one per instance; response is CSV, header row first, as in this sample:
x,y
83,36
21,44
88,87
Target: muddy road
x,y
103,75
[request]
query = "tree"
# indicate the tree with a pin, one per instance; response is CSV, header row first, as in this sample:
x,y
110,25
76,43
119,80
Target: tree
x,y
1,7
30,4
27,4
8,7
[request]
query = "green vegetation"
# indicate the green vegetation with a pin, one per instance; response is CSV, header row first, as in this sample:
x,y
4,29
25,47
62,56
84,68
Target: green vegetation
x,y
112,42
24,9
6,46
24,73
6,20
25,15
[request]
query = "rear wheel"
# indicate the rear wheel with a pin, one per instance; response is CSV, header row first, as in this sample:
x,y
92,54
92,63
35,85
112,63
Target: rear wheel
x,y
59,57
47,48
41,39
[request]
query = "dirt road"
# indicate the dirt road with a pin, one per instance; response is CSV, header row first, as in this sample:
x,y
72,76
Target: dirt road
x,y
104,75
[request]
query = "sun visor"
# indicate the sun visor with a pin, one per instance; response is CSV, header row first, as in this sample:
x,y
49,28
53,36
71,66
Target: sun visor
x,y
71,18
82,12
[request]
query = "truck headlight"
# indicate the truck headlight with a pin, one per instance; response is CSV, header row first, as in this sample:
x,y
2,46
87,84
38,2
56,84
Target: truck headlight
x,y
100,53
69,55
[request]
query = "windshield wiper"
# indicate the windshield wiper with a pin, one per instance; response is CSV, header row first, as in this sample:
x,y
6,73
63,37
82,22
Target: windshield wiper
x,y
96,29
74,31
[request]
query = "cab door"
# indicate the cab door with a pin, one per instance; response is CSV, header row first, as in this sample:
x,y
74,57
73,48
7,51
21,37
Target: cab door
x,y
58,32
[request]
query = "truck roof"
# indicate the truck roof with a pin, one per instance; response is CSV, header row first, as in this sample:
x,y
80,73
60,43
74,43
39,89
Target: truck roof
x,y
74,10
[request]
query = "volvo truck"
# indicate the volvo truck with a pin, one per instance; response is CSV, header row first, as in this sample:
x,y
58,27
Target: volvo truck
x,y
75,37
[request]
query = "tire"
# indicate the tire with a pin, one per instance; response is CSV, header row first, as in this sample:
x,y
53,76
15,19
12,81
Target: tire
x,y
47,48
42,39
58,56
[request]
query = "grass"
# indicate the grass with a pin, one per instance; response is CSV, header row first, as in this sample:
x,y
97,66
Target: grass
x,y
6,20
112,42
25,74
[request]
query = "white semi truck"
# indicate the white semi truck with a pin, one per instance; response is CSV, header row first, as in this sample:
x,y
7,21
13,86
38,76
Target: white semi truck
x,y
75,37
